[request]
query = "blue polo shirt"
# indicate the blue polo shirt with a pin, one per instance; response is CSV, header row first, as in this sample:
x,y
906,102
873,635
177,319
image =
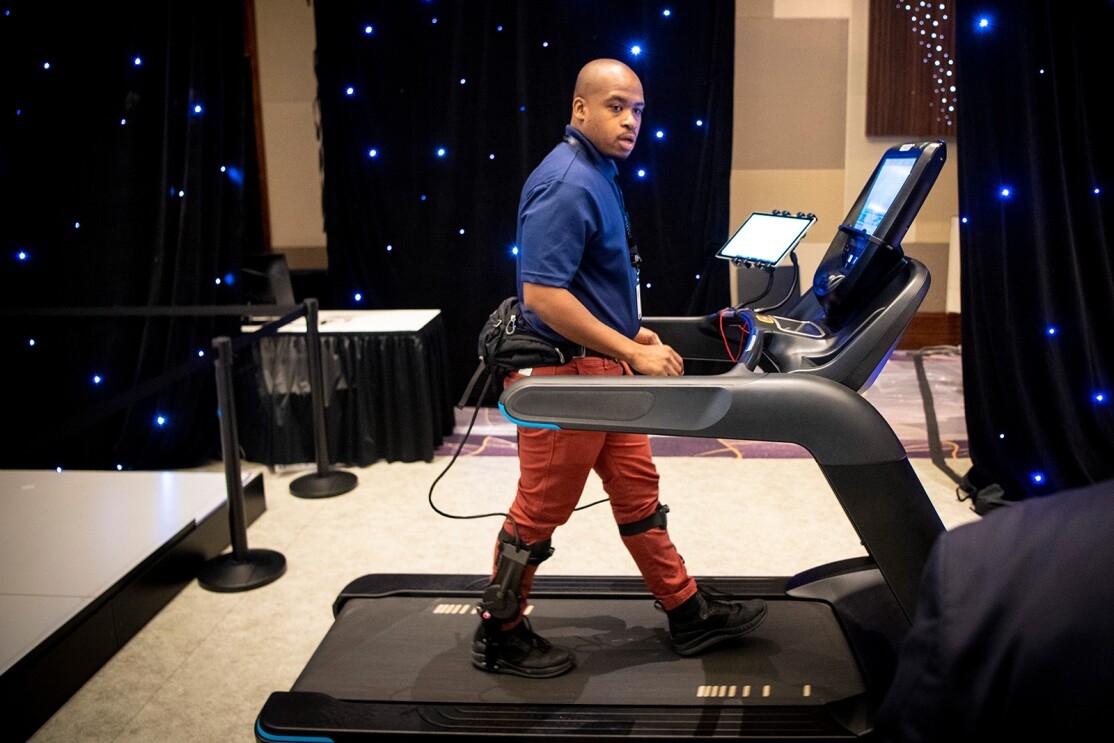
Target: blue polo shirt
x,y
572,234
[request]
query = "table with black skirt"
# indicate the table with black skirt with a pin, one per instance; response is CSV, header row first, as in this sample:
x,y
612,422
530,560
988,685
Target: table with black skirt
x,y
385,381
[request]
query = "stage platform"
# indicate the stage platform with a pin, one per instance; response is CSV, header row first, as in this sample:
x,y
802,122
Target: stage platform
x,y
89,557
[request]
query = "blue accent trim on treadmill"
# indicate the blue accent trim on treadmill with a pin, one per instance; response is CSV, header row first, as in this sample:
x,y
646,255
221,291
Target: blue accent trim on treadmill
x,y
506,415
292,738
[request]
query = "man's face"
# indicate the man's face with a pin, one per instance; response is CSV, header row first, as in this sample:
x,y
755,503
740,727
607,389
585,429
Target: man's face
x,y
611,114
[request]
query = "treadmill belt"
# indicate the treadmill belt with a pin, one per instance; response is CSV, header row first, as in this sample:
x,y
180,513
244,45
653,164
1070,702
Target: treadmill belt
x,y
419,649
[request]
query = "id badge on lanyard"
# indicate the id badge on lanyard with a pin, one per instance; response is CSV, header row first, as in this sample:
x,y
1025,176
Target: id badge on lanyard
x,y
638,294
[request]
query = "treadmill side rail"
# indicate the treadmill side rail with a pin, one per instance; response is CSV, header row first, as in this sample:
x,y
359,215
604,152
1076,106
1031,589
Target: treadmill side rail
x,y
835,424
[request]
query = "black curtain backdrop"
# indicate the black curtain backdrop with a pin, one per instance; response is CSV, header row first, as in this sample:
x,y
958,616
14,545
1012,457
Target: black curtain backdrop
x,y
118,192
491,83
128,180
1036,175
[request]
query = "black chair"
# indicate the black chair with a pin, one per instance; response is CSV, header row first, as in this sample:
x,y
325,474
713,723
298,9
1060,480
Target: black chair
x,y
266,279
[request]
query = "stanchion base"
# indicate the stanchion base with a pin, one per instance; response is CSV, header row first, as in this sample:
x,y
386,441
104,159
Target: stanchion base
x,y
325,485
225,574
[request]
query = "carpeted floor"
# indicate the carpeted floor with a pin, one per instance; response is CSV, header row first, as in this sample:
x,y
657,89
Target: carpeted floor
x,y
201,670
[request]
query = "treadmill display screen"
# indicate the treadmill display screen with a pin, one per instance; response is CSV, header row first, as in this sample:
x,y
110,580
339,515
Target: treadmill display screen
x,y
891,176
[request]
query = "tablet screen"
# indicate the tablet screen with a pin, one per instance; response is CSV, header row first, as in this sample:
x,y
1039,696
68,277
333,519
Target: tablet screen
x,y
766,238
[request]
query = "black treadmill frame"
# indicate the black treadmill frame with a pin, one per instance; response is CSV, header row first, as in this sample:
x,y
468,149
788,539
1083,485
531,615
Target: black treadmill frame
x,y
811,400
873,598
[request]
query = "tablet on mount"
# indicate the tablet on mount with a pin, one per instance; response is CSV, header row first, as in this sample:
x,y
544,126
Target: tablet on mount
x,y
765,239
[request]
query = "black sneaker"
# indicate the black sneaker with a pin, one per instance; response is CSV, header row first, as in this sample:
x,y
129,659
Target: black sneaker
x,y
519,652
704,621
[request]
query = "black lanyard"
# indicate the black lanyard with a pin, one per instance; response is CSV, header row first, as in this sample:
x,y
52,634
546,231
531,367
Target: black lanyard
x,y
635,258
632,246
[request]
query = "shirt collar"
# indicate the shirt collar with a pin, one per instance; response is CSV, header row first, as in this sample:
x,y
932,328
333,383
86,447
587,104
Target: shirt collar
x,y
605,165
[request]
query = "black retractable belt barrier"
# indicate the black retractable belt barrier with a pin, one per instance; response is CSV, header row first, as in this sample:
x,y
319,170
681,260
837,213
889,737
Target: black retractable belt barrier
x,y
242,568
325,482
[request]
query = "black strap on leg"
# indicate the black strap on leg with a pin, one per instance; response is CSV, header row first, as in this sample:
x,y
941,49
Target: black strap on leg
x,y
653,521
539,551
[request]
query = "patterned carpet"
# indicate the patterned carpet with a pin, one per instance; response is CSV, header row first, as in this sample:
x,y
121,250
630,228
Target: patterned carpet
x,y
896,393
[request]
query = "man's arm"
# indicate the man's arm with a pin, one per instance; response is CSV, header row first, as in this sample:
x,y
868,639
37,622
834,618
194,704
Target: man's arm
x,y
564,313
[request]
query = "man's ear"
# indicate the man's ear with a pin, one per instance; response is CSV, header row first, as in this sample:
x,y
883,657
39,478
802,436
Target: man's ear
x,y
578,106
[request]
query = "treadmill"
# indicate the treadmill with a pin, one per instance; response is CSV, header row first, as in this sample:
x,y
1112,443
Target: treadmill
x,y
397,660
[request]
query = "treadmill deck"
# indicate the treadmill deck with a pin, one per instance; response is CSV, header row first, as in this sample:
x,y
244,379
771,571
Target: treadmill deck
x,y
419,649
403,663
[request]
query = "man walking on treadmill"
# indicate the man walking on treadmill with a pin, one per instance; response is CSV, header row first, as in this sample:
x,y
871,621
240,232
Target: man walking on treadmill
x,y
578,284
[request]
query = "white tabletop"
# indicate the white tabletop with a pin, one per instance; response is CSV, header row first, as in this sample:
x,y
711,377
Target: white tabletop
x,y
362,321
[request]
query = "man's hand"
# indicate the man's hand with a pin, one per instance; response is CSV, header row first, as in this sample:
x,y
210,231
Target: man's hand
x,y
654,358
560,310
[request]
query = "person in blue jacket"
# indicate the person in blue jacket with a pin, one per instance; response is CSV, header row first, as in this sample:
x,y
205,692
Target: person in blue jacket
x,y
1013,637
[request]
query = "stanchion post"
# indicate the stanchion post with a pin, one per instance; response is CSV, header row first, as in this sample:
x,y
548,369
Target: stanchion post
x,y
325,482
242,568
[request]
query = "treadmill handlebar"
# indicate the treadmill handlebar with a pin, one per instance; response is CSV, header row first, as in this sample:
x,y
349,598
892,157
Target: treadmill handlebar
x,y
834,423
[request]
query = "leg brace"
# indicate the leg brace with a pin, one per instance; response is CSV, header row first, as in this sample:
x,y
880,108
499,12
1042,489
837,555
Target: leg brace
x,y
500,599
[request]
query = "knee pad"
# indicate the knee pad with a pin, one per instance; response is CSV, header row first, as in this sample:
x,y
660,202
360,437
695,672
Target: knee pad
x,y
656,520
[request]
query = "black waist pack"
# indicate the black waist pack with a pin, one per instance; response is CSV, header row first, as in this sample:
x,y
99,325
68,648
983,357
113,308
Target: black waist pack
x,y
507,343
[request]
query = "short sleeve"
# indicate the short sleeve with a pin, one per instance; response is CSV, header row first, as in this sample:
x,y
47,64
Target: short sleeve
x,y
555,224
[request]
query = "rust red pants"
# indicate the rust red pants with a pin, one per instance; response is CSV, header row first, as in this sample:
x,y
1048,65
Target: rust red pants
x,y
553,469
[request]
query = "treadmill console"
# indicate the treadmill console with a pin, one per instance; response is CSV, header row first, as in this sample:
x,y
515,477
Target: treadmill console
x,y
862,297
867,245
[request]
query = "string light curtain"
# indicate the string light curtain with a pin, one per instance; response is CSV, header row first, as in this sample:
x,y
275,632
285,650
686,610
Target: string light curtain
x,y
126,174
1036,165
911,69
434,113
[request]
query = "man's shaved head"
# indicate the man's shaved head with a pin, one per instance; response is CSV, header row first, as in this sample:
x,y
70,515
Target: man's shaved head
x,y
607,106
599,73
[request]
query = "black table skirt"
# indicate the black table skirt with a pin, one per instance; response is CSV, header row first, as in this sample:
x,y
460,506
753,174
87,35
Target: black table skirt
x,y
386,397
